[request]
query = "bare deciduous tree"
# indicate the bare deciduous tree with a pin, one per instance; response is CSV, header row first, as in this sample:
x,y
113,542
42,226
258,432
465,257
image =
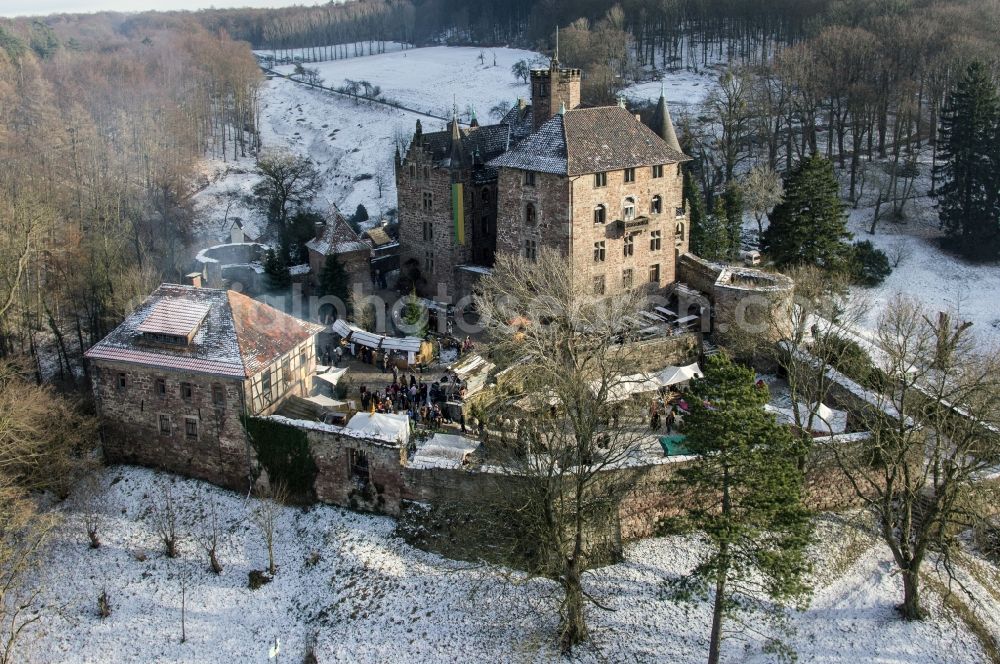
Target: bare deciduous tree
x,y
559,418
265,516
165,519
762,190
208,533
933,435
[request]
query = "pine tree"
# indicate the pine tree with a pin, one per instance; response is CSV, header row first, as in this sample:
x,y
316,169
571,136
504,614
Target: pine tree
x,y
279,277
695,206
809,227
733,203
414,314
709,234
750,511
334,282
969,195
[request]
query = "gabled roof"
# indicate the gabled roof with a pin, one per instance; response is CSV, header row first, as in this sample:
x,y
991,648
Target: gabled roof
x,y
378,236
337,237
590,140
237,337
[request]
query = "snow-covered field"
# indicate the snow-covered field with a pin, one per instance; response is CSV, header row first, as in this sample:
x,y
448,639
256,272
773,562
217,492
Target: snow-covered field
x,y
348,585
353,143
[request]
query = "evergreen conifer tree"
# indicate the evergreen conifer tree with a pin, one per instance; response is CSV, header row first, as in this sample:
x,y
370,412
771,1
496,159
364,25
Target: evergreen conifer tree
x,y
279,277
734,218
695,206
969,143
809,227
333,282
750,509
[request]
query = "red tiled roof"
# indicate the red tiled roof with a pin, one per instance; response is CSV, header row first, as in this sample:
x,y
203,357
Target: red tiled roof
x,y
236,335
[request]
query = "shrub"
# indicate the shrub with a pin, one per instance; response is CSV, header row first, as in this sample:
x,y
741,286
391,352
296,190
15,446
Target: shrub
x,y
869,265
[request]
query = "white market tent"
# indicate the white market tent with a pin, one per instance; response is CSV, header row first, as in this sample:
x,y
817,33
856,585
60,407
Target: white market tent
x,y
355,335
827,420
443,450
382,425
676,375
332,376
642,383
324,401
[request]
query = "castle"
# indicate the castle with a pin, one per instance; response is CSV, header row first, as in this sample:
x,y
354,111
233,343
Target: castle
x,y
594,183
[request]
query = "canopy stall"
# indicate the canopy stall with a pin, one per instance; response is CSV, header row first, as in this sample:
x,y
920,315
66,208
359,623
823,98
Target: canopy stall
x,y
827,421
679,375
474,369
444,450
332,376
382,425
416,349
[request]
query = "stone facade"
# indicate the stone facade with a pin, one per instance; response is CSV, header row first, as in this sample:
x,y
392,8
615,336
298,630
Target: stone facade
x,y
647,244
553,90
426,230
189,423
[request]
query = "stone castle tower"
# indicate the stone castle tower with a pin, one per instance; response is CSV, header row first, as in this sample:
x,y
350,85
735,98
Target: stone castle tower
x,y
553,90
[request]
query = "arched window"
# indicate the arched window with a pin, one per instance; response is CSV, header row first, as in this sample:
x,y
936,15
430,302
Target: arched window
x,y
600,214
530,215
656,205
679,232
628,209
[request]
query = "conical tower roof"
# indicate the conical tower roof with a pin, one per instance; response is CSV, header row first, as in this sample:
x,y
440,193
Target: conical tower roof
x,y
664,126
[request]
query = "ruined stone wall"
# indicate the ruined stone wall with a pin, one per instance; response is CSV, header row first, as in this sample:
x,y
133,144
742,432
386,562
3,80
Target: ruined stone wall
x,y
655,354
130,417
337,484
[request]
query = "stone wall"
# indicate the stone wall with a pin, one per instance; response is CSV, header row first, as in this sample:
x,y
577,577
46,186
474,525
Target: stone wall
x,y
416,176
655,354
338,484
565,222
131,427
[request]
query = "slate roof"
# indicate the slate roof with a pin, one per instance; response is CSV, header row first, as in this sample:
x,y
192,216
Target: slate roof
x,y
590,140
337,237
237,337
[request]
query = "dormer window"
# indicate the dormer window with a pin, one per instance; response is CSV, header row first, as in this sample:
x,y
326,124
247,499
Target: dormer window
x,y
173,322
166,339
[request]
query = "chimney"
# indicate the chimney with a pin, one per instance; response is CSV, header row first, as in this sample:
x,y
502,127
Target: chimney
x,y
193,279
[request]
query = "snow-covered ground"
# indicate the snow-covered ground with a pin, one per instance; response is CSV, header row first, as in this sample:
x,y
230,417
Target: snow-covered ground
x,y
353,143
360,594
939,280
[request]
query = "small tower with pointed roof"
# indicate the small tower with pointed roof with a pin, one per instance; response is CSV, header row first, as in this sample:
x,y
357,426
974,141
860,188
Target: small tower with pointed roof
x,y
663,125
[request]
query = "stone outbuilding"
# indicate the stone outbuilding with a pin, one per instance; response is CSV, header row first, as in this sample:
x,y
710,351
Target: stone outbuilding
x,y
172,382
337,238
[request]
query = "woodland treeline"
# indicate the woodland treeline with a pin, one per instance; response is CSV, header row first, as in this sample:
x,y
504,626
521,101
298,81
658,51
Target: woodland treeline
x,y
102,123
